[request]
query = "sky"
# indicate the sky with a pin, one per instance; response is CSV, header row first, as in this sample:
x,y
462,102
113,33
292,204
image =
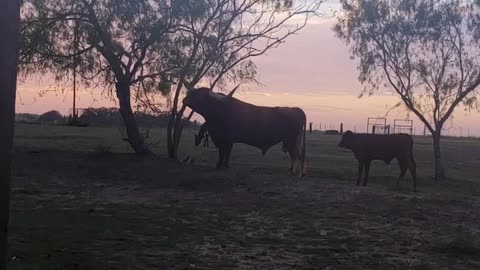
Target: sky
x,y
312,70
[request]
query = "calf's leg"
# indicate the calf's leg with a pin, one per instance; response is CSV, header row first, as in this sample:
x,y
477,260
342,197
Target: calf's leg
x,y
292,160
298,161
228,151
360,170
367,170
412,166
221,155
403,169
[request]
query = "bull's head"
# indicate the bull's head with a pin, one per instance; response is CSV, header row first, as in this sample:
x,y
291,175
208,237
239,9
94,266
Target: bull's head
x,y
347,140
201,99
196,99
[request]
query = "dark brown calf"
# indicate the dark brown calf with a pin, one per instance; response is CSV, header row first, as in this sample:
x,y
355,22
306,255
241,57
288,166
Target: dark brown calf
x,y
368,147
202,133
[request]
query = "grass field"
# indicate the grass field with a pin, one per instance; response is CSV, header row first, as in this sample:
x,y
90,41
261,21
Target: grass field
x,y
81,200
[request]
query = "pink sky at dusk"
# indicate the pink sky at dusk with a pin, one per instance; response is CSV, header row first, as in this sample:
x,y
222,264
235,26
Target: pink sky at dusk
x,y
312,70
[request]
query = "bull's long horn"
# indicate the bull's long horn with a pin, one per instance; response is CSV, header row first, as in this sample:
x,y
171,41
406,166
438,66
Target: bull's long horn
x,y
233,91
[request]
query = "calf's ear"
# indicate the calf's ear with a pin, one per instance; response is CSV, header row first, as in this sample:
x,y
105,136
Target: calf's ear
x,y
189,86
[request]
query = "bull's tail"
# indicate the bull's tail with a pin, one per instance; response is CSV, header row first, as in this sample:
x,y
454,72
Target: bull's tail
x,y
304,161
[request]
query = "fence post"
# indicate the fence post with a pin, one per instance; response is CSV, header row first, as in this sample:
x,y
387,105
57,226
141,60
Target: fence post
x,y
311,127
341,128
373,129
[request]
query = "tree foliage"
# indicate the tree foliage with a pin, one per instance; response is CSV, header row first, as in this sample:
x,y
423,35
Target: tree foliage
x,y
426,51
111,40
50,116
224,40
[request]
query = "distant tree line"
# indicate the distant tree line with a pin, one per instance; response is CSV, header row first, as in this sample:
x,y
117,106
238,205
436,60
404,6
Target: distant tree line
x,y
97,117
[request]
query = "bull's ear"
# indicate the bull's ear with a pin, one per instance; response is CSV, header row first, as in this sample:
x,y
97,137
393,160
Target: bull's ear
x,y
233,91
189,86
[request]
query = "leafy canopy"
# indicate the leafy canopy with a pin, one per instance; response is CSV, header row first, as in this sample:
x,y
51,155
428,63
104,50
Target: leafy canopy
x,y
426,51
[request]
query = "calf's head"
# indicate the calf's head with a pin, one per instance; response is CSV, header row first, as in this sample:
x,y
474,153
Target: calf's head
x,y
198,139
347,140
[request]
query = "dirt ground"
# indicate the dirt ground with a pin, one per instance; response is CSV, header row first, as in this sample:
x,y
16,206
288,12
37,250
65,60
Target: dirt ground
x,y
231,219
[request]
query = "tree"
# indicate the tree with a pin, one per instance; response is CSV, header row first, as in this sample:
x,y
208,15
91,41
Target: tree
x,y
216,43
145,47
426,51
115,44
9,25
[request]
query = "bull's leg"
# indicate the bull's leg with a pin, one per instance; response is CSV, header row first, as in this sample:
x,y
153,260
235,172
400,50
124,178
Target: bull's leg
x,y
367,170
228,151
360,170
221,155
412,166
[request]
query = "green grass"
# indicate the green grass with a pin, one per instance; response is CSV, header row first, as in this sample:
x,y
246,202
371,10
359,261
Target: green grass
x,y
324,158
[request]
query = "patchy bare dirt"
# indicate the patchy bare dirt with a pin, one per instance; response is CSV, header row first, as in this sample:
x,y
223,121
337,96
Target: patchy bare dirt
x,y
273,221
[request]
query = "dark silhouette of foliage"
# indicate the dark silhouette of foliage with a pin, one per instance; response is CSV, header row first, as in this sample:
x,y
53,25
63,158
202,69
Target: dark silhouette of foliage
x,y
50,116
111,117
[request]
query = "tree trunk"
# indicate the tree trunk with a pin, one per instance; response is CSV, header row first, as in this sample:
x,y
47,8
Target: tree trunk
x,y
170,147
439,169
133,133
9,22
174,131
